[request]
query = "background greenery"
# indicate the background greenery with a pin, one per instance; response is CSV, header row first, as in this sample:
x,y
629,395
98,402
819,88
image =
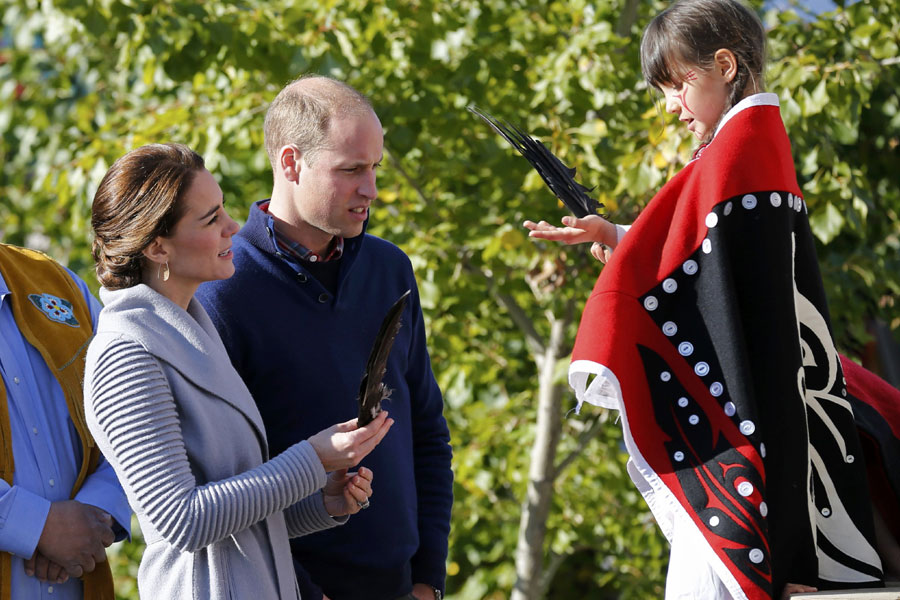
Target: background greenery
x,y
537,491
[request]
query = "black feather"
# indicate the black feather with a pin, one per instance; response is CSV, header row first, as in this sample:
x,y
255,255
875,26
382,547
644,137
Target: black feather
x,y
558,177
372,389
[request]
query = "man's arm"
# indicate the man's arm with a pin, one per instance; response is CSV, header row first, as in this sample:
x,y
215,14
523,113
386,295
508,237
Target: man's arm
x,y
101,488
69,533
308,589
432,455
22,518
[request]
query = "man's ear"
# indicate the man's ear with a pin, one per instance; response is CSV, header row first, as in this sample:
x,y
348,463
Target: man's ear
x,y
289,161
726,64
156,252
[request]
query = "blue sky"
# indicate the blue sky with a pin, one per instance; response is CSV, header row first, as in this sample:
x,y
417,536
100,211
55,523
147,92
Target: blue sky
x,y
815,6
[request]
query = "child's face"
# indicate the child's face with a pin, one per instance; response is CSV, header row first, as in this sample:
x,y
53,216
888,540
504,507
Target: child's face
x,y
699,100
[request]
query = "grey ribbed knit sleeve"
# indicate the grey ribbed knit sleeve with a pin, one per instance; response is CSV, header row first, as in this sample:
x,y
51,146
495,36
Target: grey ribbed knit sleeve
x,y
309,515
132,403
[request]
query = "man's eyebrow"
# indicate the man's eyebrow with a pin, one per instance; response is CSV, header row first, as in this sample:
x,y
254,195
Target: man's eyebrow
x,y
362,163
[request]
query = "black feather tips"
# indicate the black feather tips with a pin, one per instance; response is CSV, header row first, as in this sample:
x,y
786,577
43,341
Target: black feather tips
x,y
558,177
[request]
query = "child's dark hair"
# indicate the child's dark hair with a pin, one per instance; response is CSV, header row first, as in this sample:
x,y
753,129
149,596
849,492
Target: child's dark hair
x,y
689,32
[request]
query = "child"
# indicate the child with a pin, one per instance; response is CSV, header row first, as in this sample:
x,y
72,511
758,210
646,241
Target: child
x,y
708,330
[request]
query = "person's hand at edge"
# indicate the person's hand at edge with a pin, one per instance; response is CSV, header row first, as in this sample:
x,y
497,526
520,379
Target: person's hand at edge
x,y
423,591
796,588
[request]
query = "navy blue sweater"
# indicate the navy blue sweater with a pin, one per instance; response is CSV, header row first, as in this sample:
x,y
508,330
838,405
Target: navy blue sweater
x,y
302,352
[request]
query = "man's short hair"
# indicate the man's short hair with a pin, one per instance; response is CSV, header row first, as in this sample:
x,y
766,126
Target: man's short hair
x,y
302,111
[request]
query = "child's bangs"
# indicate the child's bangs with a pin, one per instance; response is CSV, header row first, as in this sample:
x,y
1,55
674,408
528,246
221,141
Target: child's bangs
x,y
661,54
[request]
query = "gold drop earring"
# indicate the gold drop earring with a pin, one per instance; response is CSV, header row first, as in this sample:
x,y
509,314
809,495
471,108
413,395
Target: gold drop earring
x,y
165,274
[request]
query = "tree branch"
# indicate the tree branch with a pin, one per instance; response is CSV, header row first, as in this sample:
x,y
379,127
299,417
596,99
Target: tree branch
x,y
556,561
583,440
553,565
516,312
405,174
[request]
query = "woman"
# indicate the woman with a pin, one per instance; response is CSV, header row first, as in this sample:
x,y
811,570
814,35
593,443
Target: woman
x,y
171,414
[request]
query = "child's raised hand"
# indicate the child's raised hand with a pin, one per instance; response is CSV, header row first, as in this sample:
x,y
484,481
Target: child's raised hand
x,y
592,228
601,252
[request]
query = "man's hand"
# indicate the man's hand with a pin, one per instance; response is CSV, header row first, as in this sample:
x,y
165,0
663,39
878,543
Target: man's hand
x,y
423,591
346,493
75,536
44,569
343,445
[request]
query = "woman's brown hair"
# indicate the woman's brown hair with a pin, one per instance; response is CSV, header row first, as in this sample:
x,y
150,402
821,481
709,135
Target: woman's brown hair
x,y
138,200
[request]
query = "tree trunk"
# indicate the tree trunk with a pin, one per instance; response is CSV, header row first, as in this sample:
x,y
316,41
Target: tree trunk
x,y
627,18
536,507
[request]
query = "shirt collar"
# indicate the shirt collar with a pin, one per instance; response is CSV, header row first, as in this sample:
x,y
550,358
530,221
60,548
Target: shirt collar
x,y
4,289
762,99
333,252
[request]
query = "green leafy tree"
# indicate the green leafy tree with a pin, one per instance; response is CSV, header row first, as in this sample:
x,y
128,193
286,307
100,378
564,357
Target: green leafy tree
x,y
543,505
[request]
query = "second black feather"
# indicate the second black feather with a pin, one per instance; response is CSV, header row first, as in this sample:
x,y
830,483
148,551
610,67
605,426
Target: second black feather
x,y
558,177
372,389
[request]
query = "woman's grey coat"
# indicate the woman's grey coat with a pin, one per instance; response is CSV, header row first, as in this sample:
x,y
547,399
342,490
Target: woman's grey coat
x,y
187,443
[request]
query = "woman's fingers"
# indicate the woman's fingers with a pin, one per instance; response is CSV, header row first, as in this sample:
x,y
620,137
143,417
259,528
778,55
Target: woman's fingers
x,y
369,444
343,449
362,484
357,493
366,474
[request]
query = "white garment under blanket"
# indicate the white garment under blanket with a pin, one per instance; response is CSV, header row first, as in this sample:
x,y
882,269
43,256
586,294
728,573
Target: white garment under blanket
x,y
690,577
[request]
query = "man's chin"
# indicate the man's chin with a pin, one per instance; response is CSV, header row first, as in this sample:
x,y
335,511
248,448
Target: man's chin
x,y
353,231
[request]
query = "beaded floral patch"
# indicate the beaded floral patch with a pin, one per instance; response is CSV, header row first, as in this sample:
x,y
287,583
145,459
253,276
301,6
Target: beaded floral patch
x,y
56,309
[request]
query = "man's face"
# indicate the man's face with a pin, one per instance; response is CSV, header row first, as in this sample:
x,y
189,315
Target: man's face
x,y
333,194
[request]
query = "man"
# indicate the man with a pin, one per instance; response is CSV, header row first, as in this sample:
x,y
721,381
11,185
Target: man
x,y
298,319
60,502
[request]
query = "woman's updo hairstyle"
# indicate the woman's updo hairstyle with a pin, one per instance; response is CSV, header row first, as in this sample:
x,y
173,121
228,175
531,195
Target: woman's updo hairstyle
x,y
689,32
138,200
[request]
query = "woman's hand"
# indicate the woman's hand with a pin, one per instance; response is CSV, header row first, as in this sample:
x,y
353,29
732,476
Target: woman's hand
x,y
342,446
347,493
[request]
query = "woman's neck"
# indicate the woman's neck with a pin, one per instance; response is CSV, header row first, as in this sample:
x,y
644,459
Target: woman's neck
x,y
178,292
